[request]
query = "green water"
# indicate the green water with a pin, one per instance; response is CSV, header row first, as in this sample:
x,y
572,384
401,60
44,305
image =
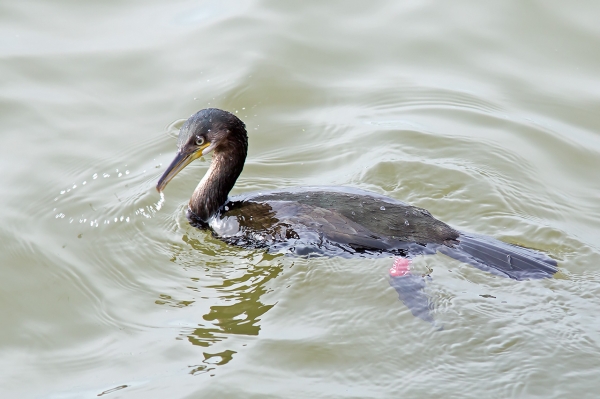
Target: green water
x,y
486,114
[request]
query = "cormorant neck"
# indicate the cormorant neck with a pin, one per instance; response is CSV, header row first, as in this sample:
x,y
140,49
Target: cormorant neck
x,y
212,191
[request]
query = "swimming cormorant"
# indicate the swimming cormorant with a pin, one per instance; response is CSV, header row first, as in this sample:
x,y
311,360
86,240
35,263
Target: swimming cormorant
x,y
324,220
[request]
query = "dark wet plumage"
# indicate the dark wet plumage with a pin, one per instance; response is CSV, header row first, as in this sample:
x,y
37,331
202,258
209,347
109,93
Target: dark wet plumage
x,y
324,220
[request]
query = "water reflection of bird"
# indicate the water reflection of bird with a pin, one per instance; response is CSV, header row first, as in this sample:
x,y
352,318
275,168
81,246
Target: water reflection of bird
x,y
324,220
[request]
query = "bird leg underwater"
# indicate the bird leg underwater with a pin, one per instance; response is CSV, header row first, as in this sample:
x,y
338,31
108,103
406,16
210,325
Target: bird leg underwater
x,y
411,289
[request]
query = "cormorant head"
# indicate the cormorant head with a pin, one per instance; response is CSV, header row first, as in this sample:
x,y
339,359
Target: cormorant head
x,y
207,130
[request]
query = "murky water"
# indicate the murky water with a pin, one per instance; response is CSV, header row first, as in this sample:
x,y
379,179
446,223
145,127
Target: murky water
x,y
485,114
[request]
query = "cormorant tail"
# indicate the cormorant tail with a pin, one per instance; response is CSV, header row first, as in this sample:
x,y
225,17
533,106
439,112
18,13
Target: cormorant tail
x,y
500,258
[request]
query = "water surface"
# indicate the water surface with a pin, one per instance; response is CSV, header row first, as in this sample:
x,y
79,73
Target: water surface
x,y
484,114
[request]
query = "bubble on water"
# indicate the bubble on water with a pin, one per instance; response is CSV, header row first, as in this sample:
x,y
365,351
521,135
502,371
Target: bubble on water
x,y
126,172
116,220
95,176
382,208
74,185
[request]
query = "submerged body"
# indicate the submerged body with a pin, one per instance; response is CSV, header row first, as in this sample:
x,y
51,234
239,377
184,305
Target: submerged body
x,y
331,221
339,221
328,219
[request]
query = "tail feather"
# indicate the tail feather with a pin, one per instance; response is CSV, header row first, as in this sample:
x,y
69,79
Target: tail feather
x,y
500,258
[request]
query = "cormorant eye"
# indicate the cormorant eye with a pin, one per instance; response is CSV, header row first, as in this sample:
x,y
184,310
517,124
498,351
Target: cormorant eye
x,y
199,140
